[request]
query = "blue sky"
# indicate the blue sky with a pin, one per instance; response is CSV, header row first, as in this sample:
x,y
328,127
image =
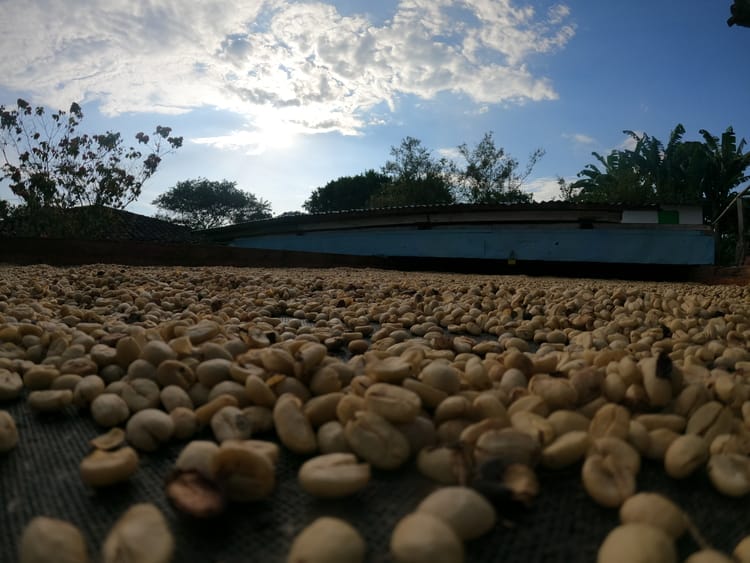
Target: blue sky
x,y
282,96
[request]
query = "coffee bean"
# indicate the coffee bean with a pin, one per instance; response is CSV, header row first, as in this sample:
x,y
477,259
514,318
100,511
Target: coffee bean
x,y
637,542
421,537
104,468
245,474
49,539
685,455
376,440
148,429
467,512
333,475
392,402
109,410
140,535
292,426
655,510
8,432
327,540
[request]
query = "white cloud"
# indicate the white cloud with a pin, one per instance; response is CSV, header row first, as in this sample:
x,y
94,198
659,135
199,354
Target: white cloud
x,y
544,189
302,64
580,138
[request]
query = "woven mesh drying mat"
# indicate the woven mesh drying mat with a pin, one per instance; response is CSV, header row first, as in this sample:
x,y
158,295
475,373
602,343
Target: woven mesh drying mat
x,y
40,477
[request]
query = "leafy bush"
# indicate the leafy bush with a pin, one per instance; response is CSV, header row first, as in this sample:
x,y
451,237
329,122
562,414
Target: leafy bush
x,y
49,164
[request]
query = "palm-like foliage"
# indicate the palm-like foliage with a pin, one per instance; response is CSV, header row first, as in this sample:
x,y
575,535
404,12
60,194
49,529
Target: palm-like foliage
x,y
680,172
618,181
725,168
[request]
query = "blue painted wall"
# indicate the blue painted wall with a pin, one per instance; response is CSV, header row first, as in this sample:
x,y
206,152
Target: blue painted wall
x,y
638,245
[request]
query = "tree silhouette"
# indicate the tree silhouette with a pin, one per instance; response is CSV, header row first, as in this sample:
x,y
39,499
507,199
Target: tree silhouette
x,y
205,204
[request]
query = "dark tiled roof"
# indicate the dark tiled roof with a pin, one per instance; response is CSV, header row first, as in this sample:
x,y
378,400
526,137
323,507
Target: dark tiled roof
x,y
102,223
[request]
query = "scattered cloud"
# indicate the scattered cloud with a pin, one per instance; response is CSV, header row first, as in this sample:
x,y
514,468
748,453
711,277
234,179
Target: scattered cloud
x,y
303,64
580,138
544,189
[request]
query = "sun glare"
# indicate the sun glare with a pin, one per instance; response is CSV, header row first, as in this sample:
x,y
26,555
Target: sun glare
x,y
275,133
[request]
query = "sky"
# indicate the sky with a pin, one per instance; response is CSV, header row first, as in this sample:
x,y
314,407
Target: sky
x,y
282,96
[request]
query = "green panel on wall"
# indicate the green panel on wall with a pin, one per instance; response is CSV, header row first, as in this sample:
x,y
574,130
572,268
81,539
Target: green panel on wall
x,y
670,217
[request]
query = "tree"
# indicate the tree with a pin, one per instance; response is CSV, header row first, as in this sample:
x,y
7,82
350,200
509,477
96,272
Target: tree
x,y
432,190
680,172
724,168
416,178
5,210
740,10
205,204
345,193
490,175
412,161
51,166
616,181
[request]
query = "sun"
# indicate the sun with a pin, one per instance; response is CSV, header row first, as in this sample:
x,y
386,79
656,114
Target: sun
x,y
275,133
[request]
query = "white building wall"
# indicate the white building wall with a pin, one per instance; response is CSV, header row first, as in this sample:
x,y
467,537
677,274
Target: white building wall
x,y
689,215
643,216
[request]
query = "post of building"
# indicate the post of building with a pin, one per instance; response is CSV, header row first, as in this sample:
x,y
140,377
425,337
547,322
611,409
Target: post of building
x,y
740,252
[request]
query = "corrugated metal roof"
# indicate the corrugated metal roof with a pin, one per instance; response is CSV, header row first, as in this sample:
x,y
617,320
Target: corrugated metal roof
x,y
443,208
430,215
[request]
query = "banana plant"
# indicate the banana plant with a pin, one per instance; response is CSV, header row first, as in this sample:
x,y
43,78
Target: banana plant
x,y
725,170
